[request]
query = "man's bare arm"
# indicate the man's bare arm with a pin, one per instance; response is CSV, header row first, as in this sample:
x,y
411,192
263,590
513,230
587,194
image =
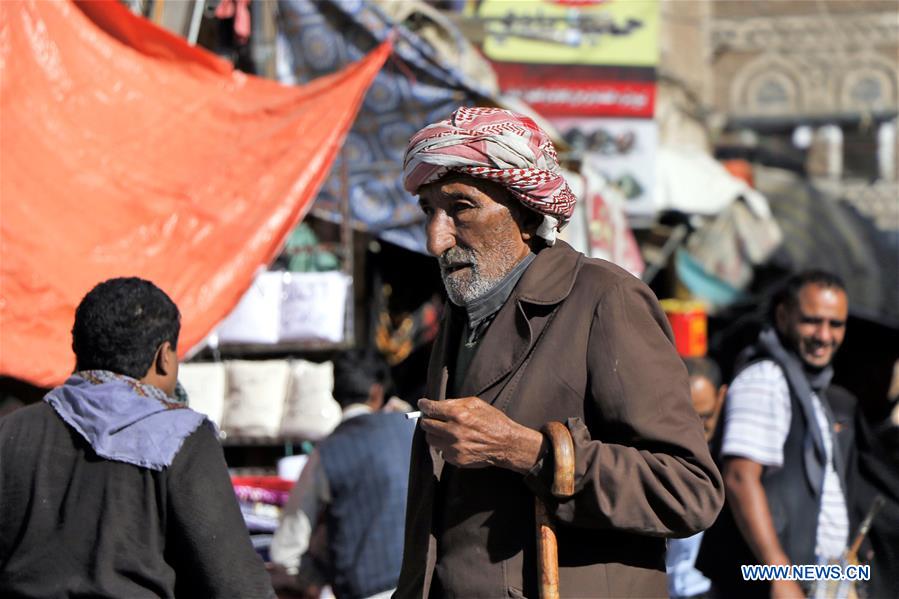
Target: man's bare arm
x,y
749,504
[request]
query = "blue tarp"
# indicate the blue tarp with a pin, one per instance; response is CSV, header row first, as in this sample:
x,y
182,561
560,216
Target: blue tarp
x,y
415,88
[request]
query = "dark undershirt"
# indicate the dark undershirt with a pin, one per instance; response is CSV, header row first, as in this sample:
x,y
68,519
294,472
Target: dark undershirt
x,y
476,318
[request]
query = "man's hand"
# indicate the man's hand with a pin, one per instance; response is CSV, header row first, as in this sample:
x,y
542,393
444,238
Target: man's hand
x,y
786,589
470,433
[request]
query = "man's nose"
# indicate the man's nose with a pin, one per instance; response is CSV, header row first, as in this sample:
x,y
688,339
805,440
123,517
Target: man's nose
x,y
441,233
824,333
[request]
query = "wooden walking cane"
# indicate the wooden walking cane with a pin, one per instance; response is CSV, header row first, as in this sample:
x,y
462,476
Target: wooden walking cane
x,y
563,486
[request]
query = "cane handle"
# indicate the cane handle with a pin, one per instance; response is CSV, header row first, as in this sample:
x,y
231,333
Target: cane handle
x,y
563,486
563,458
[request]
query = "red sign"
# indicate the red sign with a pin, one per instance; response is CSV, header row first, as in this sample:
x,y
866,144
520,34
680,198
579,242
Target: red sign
x,y
570,91
578,2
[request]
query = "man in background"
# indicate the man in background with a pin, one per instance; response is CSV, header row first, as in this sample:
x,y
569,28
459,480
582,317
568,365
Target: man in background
x,y
343,523
707,393
783,469
873,473
111,487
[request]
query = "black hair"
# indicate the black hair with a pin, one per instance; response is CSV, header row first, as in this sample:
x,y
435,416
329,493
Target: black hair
x,y
705,368
121,323
788,293
355,371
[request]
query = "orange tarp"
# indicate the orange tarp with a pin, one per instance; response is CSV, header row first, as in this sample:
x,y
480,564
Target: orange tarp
x,y
125,151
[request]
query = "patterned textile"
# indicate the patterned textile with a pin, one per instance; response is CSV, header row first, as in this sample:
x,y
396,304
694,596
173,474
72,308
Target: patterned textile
x,y
415,330
417,86
123,419
497,145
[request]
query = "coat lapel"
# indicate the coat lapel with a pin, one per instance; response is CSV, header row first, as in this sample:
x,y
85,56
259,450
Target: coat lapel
x,y
502,348
436,389
438,372
521,320
507,343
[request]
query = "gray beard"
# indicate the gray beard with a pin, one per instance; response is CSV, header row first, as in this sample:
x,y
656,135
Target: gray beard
x,y
464,292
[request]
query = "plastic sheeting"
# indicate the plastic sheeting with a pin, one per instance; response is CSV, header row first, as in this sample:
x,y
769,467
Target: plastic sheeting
x,y
124,151
741,253
822,231
688,180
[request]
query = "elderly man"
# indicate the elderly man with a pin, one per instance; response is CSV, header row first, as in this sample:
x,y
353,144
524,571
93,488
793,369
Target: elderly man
x,y
537,332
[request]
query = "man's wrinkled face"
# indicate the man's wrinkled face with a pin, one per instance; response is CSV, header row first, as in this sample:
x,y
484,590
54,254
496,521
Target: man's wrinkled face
x,y
474,230
815,327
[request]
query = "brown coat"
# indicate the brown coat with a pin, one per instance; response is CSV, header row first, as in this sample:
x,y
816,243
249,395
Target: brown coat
x,y
583,342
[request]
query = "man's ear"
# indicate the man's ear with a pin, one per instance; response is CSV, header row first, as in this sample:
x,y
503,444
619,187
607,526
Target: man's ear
x,y
530,222
719,401
166,359
780,318
376,396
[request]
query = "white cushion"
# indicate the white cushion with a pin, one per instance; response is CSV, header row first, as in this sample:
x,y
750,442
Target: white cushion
x,y
205,386
255,397
310,411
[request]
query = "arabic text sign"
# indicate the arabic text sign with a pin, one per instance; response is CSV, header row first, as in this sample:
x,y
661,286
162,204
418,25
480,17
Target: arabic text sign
x,y
576,91
610,32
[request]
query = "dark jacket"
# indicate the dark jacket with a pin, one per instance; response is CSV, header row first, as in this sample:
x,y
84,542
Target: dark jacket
x,y
873,472
582,342
74,524
366,462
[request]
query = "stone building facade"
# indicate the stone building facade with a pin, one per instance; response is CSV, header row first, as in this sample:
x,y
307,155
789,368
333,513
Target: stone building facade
x,y
767,67
798,60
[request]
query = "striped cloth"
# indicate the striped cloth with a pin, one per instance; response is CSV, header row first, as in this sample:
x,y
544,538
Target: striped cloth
x,y
497,145
757,415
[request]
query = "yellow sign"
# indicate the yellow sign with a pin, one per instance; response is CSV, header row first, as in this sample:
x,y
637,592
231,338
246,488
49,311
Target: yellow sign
x,y
597,32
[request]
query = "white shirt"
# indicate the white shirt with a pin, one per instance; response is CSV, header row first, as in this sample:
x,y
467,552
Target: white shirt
x,y
757,415
684,580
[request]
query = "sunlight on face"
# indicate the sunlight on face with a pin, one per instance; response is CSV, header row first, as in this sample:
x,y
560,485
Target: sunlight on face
x,y
473,233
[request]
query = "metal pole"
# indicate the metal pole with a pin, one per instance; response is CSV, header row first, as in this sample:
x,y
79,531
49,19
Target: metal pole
x,y
196,18
346,234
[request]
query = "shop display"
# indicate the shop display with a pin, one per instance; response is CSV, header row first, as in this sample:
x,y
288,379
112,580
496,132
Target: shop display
x,y
255,397
310,411
204,383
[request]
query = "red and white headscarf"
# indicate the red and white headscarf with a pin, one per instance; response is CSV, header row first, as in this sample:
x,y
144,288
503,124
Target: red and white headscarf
x,y
497,145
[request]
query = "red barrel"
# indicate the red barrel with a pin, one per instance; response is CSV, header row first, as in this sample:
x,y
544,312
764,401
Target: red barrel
x,y
690,325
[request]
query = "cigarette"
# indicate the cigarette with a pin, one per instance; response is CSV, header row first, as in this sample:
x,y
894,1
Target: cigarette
x,y
411,415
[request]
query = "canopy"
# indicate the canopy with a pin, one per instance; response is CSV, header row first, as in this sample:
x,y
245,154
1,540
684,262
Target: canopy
x,y
125,151
432,72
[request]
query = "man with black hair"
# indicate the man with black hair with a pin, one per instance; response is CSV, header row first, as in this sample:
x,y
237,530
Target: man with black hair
x,y
706,391
873,473
783,469
354,486
110,487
